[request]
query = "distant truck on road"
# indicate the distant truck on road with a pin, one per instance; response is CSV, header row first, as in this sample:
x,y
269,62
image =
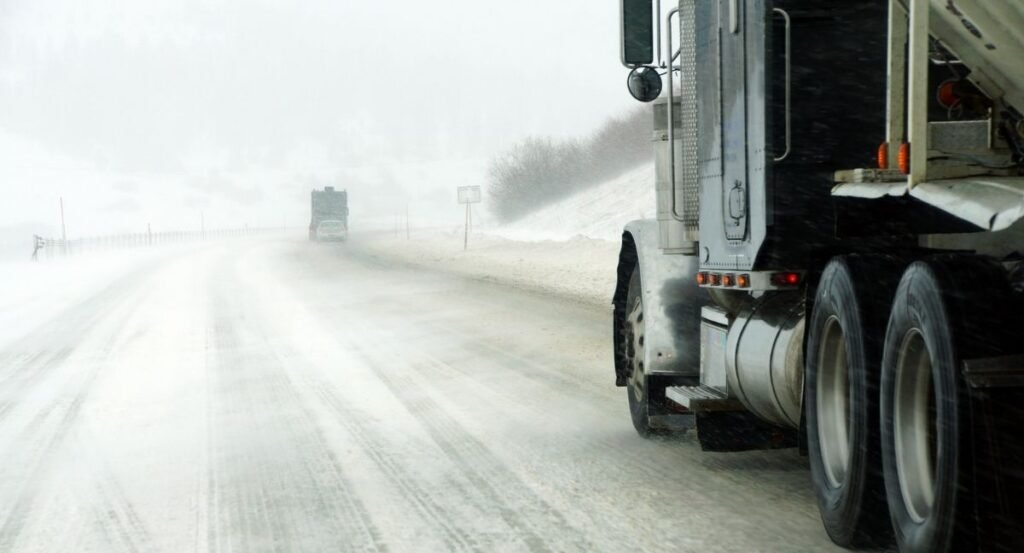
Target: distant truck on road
x,y
329,220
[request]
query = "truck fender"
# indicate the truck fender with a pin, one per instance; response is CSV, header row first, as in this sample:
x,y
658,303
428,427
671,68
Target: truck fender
x,y
672,304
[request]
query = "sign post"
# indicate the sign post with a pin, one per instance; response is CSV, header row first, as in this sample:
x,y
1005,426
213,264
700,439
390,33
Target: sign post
x,y
468,195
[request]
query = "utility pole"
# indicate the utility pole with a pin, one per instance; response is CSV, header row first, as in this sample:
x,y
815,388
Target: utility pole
x,y
63,229
407,221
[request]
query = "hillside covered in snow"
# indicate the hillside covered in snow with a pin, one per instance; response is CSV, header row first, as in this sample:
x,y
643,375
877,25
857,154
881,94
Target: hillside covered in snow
x,y
597,212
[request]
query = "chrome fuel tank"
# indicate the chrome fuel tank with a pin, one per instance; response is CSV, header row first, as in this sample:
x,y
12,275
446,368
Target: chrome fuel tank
x,y
764,358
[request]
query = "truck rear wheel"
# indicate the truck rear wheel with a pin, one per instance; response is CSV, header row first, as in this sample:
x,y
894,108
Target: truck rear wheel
x,y
946,310
645,397
844,350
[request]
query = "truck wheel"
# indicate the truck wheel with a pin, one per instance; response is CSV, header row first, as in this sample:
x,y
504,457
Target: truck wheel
x,y
844,350
639,384
946,309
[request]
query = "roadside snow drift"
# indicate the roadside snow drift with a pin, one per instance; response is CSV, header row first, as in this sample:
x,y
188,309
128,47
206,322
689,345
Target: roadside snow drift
x,y
569,248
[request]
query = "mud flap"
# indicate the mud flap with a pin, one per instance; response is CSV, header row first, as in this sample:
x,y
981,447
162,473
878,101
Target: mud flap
x,y
995,388
740,431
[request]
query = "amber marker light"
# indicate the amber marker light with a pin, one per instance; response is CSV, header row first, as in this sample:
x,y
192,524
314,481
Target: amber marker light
x,y
743,281
904,158
715,279
728,280
883,156
702,279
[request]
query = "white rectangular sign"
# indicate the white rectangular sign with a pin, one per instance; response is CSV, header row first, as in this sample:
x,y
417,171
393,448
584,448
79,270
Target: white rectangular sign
x,y
469,194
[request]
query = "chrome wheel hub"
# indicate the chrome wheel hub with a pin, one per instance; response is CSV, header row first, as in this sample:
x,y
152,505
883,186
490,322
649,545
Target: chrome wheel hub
x,y
635,349
914,426
833,407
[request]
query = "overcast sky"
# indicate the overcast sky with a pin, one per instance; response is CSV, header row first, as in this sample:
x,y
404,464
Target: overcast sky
x,y
177,104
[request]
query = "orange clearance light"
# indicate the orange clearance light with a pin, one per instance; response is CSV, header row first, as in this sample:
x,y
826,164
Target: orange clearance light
x,y
743,281
904,159
786,279
715,280
728,280
883,156
702,279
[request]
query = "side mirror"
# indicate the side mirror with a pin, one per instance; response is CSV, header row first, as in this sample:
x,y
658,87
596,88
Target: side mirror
x,y
644,83
637,32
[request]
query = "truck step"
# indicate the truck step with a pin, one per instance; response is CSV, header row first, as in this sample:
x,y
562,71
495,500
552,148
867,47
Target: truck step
x,y
702,398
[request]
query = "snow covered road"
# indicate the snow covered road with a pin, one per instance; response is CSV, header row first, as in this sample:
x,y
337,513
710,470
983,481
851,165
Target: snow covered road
x,y
287,396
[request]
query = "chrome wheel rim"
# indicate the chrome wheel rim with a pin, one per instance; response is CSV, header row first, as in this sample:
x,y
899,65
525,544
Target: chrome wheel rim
x,y
914,425
833,405
635,349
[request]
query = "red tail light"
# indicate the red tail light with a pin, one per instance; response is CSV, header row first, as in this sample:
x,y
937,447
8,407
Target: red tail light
x,y
947,96
785,279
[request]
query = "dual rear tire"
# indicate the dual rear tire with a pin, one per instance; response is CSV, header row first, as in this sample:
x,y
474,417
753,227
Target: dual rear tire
x,y
844,351
887,413
947,309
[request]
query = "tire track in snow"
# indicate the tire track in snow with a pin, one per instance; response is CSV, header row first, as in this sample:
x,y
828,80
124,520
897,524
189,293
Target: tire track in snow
x,y
288,484
515,504
45,448
436,514
455,538
26,375
525,512
529,517
117,517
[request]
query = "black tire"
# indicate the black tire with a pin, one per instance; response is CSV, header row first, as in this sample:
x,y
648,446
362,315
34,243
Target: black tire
x,y
644,400
947,309
844,352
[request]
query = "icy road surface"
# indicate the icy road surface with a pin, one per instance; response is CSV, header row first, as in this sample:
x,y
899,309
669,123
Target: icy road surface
x,y
286,396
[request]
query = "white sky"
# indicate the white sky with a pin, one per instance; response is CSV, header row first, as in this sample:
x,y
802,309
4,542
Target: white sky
x,y
152,110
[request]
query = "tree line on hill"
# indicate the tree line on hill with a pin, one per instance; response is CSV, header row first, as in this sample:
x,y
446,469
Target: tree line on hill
x,y
540,170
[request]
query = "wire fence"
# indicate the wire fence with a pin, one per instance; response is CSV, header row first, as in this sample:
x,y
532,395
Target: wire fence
x,y
49,248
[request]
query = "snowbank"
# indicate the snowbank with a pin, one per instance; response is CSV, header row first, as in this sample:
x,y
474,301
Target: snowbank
x,y
599,212
569,248
580,268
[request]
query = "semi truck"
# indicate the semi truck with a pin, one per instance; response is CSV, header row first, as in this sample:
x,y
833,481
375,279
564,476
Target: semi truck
x,y
836,263
329,220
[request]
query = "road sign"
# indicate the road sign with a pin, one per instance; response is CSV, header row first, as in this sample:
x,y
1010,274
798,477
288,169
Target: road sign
x,y
469,194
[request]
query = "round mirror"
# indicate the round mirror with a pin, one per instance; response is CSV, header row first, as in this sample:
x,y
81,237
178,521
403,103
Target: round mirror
x,y
644,83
